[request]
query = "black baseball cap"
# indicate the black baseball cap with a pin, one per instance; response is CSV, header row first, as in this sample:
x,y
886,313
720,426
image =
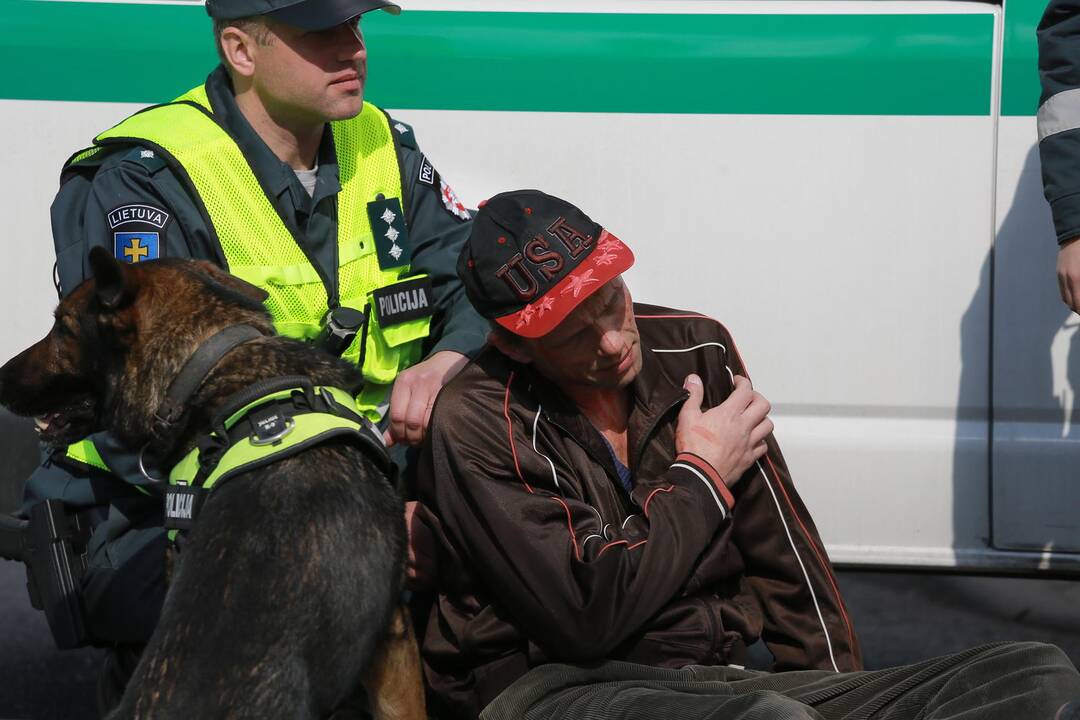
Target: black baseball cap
x,y
306,14
532,258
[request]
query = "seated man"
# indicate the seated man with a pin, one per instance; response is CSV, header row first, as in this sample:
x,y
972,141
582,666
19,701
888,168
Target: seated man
x,y
602,484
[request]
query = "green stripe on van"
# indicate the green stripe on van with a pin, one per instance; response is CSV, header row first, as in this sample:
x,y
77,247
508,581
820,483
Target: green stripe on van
x,y
754,64
1020,87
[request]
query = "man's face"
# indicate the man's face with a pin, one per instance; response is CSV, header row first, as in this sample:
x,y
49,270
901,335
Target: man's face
x,y
312,77
597,345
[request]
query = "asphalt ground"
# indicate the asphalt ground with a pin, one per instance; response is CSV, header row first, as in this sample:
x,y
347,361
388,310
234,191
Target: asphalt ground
x,y
900,618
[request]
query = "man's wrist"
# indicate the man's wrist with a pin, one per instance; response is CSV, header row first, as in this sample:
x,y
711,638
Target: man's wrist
x,y
705,472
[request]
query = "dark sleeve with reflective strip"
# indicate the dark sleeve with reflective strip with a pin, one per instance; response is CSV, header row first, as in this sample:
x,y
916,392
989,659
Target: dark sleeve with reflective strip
x,y
1059,114
437,237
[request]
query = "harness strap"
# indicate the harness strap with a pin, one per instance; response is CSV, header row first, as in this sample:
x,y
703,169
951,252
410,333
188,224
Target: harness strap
x,y
194,372
260,422
255,428
244,417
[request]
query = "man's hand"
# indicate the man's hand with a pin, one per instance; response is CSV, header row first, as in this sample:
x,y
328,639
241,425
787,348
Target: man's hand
x,y
730,436
1068,273
414,396
420,565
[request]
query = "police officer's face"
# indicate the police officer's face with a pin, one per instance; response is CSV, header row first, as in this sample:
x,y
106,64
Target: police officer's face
x,y
597,345
312,75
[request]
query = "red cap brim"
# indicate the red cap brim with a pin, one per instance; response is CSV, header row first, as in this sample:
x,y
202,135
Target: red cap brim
x,y
609,259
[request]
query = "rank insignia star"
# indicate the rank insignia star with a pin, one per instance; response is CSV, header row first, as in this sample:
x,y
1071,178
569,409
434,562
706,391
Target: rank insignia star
x,y
546,304
389,231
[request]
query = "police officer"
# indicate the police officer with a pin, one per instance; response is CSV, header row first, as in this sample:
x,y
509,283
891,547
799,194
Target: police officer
x,y
277,170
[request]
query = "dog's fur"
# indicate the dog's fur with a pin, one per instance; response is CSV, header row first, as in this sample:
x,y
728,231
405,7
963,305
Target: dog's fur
x,y
287,596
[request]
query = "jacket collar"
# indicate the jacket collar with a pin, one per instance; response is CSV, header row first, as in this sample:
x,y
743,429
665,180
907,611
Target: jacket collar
x,y
653,393
559,410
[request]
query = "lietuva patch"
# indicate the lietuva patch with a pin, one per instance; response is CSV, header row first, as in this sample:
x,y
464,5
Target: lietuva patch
x,y
403,301
143,214
137,231
391,235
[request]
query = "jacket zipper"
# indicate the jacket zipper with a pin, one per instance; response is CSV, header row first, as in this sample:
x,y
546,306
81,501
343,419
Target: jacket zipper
x,y
640,449
627,504
613,478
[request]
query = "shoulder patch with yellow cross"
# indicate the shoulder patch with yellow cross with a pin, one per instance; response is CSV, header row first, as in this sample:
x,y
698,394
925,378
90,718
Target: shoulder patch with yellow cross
x,y
137,230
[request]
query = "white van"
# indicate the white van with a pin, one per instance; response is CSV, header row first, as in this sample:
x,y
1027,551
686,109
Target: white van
x,y
851,186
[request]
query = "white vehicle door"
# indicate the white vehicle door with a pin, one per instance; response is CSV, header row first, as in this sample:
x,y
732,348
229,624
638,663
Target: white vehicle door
x,y
1036,346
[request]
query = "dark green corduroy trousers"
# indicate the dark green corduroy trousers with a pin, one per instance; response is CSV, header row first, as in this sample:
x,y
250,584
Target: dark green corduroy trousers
x,y
1003,681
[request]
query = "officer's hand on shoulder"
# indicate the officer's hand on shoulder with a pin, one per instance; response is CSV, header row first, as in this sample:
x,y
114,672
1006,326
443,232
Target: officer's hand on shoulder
x,y
414,395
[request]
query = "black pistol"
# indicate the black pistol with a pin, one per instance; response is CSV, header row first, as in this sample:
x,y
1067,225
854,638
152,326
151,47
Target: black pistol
x,y
52,544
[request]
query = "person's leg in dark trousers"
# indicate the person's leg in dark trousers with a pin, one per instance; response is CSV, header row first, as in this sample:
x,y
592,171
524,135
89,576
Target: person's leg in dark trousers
x,y
627,691
1004,681
123,592
1007,681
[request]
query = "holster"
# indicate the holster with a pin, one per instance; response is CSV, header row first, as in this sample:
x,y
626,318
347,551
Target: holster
x,y
52,545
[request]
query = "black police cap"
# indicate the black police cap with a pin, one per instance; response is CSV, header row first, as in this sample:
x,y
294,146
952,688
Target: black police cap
x,y
306,14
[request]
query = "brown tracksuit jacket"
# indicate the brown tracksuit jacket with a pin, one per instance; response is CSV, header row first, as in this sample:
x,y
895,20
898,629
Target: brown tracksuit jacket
x,y
545,557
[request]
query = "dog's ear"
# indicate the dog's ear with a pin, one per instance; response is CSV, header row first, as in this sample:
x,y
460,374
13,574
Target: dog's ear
x,y
231,282
113,284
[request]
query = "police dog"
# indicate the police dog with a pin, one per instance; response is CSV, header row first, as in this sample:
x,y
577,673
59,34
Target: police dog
x,y
286,599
